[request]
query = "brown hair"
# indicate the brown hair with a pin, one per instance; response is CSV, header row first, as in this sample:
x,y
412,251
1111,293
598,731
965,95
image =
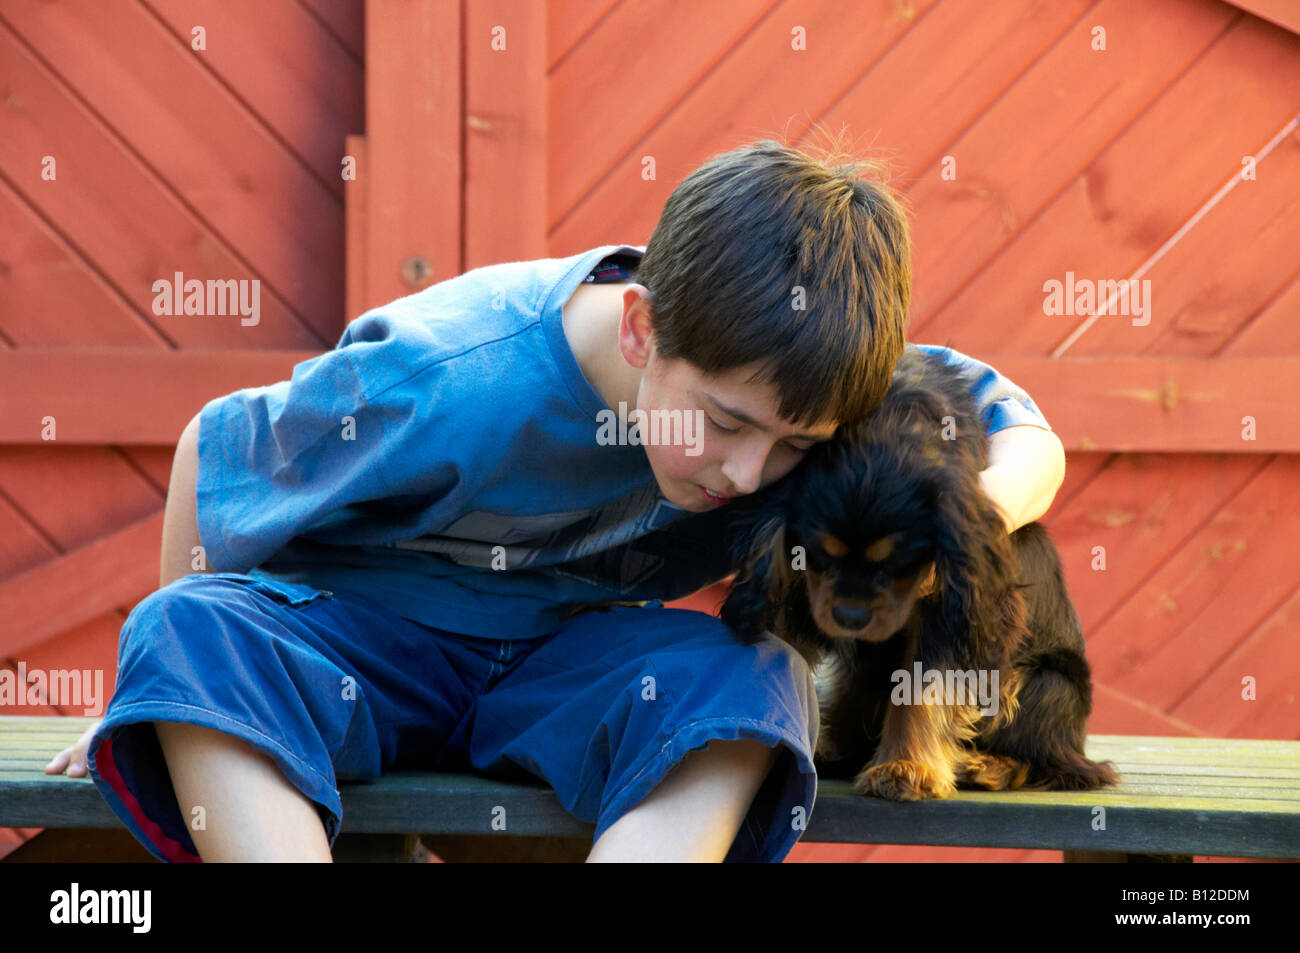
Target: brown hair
x,y
737,240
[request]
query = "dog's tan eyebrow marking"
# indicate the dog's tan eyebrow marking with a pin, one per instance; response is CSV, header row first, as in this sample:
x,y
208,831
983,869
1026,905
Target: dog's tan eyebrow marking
x,y
833,546
880,549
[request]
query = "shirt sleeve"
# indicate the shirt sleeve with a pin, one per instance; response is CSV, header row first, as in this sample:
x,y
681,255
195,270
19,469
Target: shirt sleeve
x,y
316,454
1001,403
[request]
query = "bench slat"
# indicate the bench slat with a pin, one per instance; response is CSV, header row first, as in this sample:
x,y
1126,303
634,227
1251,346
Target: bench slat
x,y
1230,797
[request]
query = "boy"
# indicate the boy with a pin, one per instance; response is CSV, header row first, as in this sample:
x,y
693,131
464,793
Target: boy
x,y
401,541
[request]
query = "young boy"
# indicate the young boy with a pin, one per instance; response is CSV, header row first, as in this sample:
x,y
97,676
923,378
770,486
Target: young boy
x,y
405,542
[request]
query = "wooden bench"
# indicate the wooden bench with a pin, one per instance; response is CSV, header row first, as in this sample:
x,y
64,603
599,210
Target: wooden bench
x,y
1180,797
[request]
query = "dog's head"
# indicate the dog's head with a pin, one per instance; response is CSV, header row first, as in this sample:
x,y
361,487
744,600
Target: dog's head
x,y
867,517
864,520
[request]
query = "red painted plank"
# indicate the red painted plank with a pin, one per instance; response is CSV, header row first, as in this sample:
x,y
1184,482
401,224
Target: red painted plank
x,y
1037,139
346,20
1081,468
505,132
1203,601
357,255
607,91
1240,255
1269,657
1118,713
231,172
50,484
11,838
1133,404
22,544
87,648
77,587
1284,13
120,214
1164,404
41,274
1133,519
153,463
1276,330
414,129
1116,215
596,168
569,21
124,396
970,62
287,67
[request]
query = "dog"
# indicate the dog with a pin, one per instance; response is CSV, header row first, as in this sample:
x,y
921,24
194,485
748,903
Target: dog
x,y
835,559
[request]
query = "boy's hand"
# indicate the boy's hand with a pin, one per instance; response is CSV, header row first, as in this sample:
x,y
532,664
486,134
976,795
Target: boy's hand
x,y
1026,468
76,759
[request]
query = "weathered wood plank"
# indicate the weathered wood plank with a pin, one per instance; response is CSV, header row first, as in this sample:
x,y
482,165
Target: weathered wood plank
x,y
1170,803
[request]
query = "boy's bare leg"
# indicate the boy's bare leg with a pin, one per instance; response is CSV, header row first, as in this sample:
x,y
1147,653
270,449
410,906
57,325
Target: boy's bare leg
x,y
252,812
695,812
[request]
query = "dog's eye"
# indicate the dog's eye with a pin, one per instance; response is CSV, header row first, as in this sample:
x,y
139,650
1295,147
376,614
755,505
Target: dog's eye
x,y
880,550
833,547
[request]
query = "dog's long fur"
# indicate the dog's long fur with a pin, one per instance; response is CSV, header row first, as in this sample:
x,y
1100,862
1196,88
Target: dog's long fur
x,y
873,510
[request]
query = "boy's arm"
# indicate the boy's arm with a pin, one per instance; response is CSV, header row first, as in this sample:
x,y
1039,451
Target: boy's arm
x,y
1026,460
180,531
1026,468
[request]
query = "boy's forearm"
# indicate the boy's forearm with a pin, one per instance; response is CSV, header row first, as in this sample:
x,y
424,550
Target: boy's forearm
x,y
180,519
1026,468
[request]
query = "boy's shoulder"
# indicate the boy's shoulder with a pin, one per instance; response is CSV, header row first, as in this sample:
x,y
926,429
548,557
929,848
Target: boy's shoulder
x,y
484,309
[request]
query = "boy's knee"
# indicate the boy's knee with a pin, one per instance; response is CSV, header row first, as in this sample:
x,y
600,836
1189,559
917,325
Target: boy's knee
x,y
173,610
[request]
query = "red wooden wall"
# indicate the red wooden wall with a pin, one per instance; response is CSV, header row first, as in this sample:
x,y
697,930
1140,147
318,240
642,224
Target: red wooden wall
x,y
1108,163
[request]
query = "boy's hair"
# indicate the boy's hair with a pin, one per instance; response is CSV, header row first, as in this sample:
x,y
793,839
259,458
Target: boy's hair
x,y
737,240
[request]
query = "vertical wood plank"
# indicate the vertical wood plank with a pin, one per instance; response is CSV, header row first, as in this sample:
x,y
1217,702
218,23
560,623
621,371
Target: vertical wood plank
x,y
414,143
356,212
505,132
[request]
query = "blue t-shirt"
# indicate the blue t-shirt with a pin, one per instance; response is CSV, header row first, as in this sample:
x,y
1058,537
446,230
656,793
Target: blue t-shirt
x,y
452,433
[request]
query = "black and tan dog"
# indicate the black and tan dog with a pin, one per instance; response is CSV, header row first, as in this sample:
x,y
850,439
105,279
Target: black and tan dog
x,y
834,558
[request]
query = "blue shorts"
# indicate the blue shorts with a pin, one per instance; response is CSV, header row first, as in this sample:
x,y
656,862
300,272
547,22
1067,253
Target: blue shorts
x,y
333,687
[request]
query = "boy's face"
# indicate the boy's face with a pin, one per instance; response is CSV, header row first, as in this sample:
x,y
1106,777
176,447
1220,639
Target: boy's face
x,y
760,449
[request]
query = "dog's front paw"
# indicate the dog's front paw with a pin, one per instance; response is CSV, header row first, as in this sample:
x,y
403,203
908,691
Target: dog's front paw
x,y
902,780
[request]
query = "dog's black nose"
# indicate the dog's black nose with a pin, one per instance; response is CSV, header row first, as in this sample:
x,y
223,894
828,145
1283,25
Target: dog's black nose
x,y
850,617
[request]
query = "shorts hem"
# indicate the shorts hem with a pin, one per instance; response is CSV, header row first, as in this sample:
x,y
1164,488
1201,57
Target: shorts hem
x,y
692,735
131,812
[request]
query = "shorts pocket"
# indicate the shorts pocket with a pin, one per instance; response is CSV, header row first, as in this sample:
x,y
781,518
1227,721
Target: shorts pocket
x,y
292,594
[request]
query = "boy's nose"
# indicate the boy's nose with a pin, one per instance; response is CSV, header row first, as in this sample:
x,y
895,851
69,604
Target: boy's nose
x,y
743,480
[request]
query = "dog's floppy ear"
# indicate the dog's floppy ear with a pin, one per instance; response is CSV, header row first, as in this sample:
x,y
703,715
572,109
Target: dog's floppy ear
x,y
762,579
975,572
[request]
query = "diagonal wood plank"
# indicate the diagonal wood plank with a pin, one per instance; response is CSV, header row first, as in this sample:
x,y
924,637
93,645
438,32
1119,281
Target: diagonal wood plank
x,y
1119,210
121,215
129,396
1207,597
114,570
287,68
148,86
